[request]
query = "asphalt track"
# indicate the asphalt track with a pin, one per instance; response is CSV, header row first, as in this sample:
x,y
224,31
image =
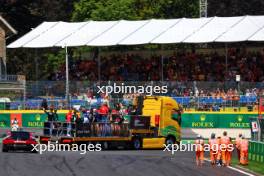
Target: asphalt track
x,y
107,163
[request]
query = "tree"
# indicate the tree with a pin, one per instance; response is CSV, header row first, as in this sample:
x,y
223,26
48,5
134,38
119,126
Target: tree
x,y
235,7
133,9
25,15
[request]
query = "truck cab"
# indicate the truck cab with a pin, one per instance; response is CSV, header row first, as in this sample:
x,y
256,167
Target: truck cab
x,y
165,115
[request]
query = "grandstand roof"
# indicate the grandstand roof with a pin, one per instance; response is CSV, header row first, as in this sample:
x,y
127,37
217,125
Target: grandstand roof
x,y
107,33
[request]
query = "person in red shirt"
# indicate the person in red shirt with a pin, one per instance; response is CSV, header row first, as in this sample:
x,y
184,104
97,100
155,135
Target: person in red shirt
x,y
69,116
103,112
68,120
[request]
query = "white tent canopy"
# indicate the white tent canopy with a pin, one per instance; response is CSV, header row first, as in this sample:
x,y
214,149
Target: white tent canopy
x,y
182,30
213,29
32,35
107,33
145,34
87,33
117,33
243,30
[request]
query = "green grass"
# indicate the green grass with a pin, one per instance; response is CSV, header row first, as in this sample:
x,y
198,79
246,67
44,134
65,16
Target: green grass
x,y
254,166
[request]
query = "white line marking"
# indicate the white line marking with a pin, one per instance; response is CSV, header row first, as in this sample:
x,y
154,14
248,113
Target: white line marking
x,y
235,169
238,170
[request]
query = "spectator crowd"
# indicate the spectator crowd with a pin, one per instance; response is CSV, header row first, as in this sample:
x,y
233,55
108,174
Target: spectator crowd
x,y
181,66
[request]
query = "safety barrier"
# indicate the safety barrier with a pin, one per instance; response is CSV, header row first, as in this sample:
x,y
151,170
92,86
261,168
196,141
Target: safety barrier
x,y
36,119
94,129
256,151
28,120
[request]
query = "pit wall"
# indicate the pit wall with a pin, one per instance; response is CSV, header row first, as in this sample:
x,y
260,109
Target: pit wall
x,y
199,120
193,123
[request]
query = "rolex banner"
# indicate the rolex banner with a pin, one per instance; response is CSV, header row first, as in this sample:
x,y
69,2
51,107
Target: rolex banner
x,y
37,119
4,120
189,120
203,120
33,120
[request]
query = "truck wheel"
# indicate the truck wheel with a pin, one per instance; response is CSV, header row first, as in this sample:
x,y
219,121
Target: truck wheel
x,y
136,143
105,145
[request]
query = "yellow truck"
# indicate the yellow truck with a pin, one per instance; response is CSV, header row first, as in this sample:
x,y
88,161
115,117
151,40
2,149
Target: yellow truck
x,y
156,122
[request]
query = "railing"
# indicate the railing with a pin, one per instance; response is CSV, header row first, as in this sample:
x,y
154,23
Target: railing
x,y
57,88
217,104
192,95
86,129
256,145
242,103
12,78
37,104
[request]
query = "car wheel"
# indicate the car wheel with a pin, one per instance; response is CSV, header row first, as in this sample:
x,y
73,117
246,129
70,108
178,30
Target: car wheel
x,y
4,149
34,151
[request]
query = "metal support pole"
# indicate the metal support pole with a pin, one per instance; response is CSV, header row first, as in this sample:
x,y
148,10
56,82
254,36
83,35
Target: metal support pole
x,y
226,60
24,94
1,68
36,72
67,76
162,65
99,65
203,8
5,71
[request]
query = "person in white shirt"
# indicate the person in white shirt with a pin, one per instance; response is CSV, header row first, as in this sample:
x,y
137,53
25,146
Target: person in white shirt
x,y
14,125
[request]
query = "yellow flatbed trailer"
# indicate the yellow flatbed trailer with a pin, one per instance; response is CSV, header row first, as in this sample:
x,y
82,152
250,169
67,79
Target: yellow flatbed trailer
x,y
138,139
128,142
157,123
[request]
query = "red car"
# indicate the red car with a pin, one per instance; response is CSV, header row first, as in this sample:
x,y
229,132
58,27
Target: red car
x,y
18,140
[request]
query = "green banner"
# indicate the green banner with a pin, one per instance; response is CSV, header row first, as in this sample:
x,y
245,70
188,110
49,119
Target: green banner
x,y
203,120
37,119
234,121
4,120
189,120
